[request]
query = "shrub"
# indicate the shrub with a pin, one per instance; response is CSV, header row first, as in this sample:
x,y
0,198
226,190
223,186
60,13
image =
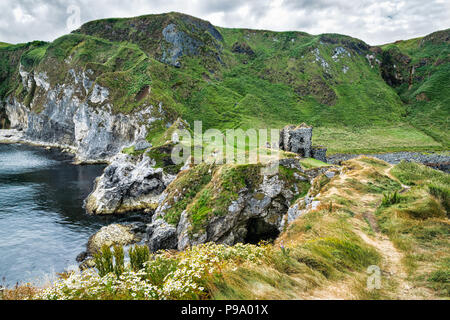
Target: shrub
x,y
139,255
442,193
390,198
104,261
164,276
159,268
423,209
119,265
442,276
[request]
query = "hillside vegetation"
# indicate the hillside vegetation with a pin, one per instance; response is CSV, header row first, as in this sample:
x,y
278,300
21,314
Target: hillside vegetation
x,y
421,77
231,78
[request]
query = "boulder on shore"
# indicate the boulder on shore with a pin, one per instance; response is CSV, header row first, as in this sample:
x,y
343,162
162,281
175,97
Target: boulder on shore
x,y
114,234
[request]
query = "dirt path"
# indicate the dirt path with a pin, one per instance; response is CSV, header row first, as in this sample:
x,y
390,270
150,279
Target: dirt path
x,y
393,272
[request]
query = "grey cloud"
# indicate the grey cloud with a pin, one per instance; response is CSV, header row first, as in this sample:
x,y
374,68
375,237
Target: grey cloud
x,y
373,21
316,5
214,6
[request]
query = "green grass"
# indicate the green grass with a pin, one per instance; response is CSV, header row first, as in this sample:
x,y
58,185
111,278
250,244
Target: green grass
x,y
411,173
33,57
427,98
402,137
185,189
418,225
309,163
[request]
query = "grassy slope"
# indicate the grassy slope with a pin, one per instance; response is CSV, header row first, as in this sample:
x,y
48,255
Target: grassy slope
x,y
427,91
268,88
418,224
281,83
327,250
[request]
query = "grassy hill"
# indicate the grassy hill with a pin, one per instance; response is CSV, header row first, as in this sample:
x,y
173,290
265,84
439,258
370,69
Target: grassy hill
x,y
422,80
231,78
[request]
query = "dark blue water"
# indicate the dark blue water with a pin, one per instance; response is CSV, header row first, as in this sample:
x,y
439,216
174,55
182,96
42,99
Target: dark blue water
x,y
43,226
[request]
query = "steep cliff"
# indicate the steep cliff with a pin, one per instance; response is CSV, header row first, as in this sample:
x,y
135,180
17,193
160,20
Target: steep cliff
x,y
228,204
67,96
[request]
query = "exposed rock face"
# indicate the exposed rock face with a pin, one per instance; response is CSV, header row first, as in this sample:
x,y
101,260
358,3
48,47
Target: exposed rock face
x,y
161,235
129,183
78,116
297,139
310,201
258,212
180,44
142,145
242,47
10,136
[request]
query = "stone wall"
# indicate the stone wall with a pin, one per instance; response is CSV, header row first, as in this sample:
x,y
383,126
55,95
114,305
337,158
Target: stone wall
x,y
319,153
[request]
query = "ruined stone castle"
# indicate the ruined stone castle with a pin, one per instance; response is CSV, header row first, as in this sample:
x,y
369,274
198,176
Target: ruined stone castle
x,y
298,139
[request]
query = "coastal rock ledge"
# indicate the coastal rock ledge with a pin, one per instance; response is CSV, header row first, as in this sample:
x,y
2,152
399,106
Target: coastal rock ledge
x,y
129,183
229,204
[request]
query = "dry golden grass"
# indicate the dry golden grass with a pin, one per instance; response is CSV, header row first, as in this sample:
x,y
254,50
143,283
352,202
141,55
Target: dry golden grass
x,y
20,292
345,216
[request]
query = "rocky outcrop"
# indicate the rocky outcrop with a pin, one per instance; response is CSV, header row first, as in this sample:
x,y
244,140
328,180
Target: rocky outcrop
x,y
10,136
129,183
258,211
243,48
164,37
77,115
310,202
161,235
114,234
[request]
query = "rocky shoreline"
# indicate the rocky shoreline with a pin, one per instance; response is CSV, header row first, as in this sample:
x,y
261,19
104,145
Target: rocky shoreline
x,y
14,136
134,183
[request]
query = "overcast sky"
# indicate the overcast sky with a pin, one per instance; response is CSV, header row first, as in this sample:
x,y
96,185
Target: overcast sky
x,y
375,22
